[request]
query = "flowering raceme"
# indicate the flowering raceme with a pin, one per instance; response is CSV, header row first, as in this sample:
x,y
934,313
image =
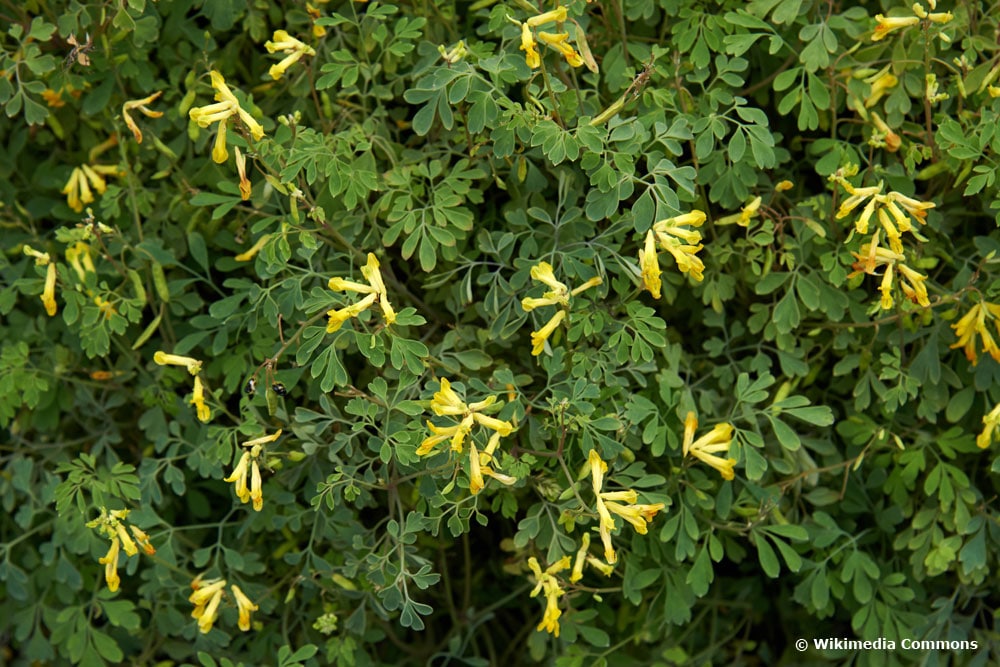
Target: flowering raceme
x,y
558,295
291,47
546,581
226,107
49,289
706,447
682,243
248,466
112,525
448,403
558,41
86,179
374,292
608,503
976,322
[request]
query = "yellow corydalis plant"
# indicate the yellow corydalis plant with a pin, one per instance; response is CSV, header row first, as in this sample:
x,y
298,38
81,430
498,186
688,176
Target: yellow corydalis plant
x,y
546,581
977,321
683,244
559,294
111,523
374,292
248,466
140,106
447,403
609,502
291,47
225,107
705,448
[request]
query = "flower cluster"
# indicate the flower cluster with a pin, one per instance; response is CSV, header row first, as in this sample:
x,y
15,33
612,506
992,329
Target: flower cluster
x,y
556,40
609,502
78,256
873,256
374,291
546,581
991,428
225,107
207,597
705,448
248,466
888,24
975,322
193,366
682,243
558,295
447,403
86,179
583,557
112,525
49,290
291,47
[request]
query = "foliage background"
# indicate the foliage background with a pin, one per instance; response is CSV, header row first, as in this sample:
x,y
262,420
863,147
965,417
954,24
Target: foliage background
x,y
862,507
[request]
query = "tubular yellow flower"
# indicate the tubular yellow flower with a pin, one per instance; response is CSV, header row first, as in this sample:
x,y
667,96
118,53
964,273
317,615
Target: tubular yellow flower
x,y
245,605
338,317
547,582
161,358
885,25
224,94
77,191
140,105
252,251
256,443
373,275
206,619
539,337
219,152
861,224
783,186
557,15
858,195
681,243
592,282
143,539
637,515
110,563
650,266
531,55
446,401
880,84
913,285
581,558
749,211
504,428
543,273
892,140
256,487
204,591
975,322
198,400
886,288
717,440
246,187
475,473
559,41
239,477
289,45
342,285
127,543
49,291
991,428
440,434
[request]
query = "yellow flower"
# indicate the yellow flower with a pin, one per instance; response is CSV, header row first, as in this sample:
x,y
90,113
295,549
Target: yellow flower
x,y
975,322
49,291
531,56
543,273
539,337
637,515
163,359
880,84
289,45
559,41
198,400
143,539
446,401
206,600
749,211
256,490
717,440
140,105
110,563
913,285
885,25
886,288
476,482
683,244
857,196
252,251
337,317
782,186
547,582
245,605
246,187
127,543
239,477
502,427
581,558
650,266
991,428
557,15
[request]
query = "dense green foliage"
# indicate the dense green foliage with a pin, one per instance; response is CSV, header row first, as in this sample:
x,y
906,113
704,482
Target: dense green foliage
x,y
495,370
